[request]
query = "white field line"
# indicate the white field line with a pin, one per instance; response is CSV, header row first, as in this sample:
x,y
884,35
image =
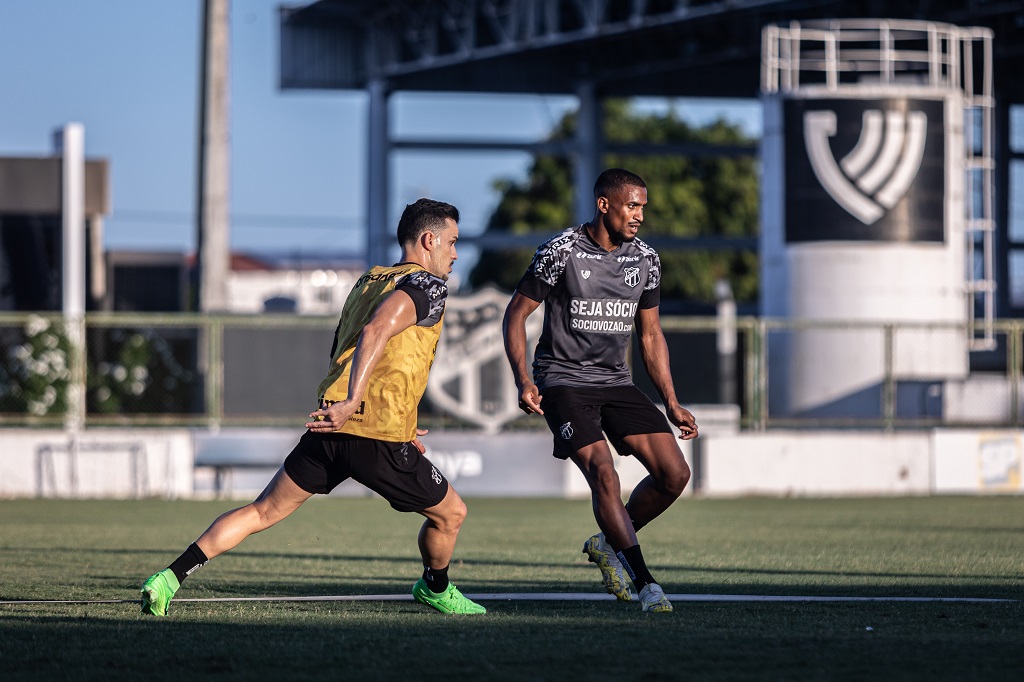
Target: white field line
x,y
528,596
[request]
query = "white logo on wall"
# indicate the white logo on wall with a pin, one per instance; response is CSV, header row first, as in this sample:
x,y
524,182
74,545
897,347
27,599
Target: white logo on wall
x,y
879,170
470,377
457,463
999,460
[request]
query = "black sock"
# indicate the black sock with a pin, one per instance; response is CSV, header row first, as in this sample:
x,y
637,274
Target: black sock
x,y
191,559
436,579
633,561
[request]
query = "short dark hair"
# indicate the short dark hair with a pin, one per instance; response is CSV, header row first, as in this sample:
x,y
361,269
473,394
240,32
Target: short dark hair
x,y
616,178
423,215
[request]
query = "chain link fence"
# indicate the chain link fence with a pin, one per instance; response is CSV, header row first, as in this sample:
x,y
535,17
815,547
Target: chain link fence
x,y
263,370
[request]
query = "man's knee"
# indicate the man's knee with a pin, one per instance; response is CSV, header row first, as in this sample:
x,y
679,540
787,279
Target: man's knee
x,y
457,513
605,480
675,479
449,515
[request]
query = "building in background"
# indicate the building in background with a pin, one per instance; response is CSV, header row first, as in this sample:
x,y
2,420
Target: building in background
x,y
31,247
161,281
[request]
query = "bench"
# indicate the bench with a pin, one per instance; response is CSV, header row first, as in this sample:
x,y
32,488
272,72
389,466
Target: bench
x,y
230,449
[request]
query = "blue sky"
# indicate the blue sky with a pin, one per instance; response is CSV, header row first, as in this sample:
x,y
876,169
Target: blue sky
x,y
128,71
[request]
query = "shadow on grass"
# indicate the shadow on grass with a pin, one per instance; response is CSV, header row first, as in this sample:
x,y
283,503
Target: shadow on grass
x,y
243,573
269,587
517,641
468,560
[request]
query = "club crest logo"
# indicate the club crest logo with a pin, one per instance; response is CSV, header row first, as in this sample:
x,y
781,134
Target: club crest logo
x,y
470,378
632,276
585,273
878,171
566,430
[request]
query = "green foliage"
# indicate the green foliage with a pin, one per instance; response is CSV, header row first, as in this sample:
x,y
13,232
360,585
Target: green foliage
x,y
137,371
688,197
35,369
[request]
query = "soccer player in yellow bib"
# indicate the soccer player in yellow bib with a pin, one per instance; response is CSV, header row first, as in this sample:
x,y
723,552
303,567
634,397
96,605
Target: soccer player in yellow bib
x,y
365,427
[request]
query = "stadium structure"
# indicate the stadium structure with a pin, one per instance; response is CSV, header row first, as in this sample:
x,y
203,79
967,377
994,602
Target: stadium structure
x,y
595,49
891,246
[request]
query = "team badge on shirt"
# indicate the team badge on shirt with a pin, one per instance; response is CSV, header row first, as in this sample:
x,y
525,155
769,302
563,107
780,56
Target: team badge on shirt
x,y
632,276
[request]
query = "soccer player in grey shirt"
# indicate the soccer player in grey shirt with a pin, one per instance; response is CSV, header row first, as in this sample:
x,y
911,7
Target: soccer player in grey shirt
x,y
599,282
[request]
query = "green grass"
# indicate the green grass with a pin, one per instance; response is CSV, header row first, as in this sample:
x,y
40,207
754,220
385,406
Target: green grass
x,y
895,547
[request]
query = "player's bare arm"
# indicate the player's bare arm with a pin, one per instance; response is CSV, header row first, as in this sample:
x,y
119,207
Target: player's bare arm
x,y
514,332
654,352
417,443
396,314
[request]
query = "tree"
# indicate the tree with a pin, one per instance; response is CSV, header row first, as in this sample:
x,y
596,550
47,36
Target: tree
x,y
708,195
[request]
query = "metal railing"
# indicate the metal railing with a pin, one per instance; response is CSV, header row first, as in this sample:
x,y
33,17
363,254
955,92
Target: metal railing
x,y
262,370
838,54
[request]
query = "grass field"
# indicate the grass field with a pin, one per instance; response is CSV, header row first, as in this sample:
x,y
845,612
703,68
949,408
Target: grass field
x,y
948,547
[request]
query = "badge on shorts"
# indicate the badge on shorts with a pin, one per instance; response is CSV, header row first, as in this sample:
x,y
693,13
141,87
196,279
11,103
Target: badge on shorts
x,y
566,430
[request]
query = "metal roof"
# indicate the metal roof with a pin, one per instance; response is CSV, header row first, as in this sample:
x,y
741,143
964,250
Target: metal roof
x,y
626,47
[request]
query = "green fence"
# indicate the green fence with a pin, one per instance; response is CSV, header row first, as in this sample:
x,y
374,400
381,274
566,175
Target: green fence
x,y
263,370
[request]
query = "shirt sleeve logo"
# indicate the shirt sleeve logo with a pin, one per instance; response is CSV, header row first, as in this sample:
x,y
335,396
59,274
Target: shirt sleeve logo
x,y
632,277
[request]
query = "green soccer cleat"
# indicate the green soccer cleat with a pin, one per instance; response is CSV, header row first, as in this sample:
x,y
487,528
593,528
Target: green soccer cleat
x,y
449,601
653,599
613,577
157,592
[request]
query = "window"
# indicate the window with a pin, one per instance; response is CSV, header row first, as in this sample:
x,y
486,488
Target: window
x,y
1017,278
1017,128
1015,204
1014,227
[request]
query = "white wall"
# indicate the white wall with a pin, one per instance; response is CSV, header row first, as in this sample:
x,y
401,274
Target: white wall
x,y
159,462
112,463
817,463
821,463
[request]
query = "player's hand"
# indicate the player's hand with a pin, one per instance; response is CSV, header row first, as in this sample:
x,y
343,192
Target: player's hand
x,y
529,399
332,417
416,441
682,418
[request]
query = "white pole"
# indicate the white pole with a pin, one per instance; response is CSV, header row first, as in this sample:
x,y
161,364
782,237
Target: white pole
x,y
726,342
69,142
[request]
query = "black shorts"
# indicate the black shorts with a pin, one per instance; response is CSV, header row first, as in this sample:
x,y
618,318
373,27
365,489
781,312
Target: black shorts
x,y
395,471
579,416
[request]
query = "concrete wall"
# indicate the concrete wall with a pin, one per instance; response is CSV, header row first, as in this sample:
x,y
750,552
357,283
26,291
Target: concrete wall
x,y
822,463
96,463
180,463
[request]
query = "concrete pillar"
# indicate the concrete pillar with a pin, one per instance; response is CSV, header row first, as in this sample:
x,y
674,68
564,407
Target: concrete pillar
x,y
587,155
70,145
379,236
213,239
98,267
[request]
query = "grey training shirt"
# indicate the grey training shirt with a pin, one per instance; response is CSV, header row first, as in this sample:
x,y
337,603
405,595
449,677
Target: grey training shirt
x,y
591,298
